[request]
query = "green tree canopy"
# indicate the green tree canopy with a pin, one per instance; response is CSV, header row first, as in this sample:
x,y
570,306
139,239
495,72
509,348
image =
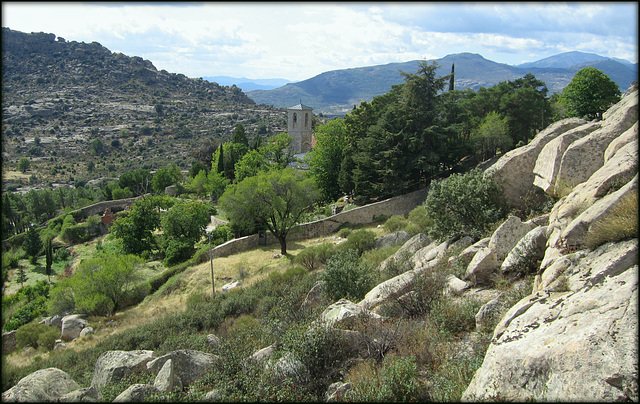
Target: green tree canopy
x,y
24,164
275,154
135,229
100,283
186,220
166,176
32,243
590,93
492,135
464,204
139,181
326,157
275,199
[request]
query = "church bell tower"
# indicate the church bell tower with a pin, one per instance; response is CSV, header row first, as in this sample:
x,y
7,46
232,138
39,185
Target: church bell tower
x,y
299,127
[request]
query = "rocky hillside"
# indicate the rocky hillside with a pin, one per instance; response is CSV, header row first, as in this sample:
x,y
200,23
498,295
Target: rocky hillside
x,y
60,96
573,337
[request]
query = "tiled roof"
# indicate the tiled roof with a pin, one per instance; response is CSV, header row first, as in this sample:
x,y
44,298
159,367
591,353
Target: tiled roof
x,y
300,106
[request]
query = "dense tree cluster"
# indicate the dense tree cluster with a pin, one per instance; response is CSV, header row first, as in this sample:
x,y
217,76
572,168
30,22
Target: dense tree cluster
x,y
401,140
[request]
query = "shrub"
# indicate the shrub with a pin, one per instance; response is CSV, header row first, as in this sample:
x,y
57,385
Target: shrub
x,y
61,254
313,257
37,335
347,277
464,204
394,380
360,241
419,221
28,312
11,258
62,299
374,257
453,317
395,223
344,232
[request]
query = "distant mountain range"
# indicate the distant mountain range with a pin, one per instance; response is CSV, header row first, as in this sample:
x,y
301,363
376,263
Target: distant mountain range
x,y
337,91
248,84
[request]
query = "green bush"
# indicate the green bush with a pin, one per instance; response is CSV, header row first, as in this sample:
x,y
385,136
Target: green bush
x,y
360,241
396,379
25,314
395,223
11,258
466,204
61,254
344,232
419,221
37,335
76,234
221,234
313,257
347,277
177,251
62,299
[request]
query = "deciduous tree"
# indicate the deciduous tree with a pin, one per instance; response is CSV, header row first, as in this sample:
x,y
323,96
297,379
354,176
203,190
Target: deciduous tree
x,y
275,199
590,93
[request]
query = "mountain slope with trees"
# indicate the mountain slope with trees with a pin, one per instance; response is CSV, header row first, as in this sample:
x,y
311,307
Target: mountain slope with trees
x,y
80,111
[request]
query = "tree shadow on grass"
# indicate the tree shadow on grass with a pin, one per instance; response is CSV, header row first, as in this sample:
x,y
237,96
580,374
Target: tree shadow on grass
x,y
40,269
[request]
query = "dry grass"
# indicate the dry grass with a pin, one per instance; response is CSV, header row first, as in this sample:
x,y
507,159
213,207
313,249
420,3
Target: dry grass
x,y
621,224
258,262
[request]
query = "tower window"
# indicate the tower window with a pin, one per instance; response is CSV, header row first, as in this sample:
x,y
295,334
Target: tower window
x,y
295,119
306,120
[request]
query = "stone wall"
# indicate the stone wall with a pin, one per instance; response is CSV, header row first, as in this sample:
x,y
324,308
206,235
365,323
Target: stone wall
x,y
100,207
399,205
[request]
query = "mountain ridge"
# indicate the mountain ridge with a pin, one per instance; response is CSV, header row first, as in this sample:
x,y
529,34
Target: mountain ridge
x,y
336,92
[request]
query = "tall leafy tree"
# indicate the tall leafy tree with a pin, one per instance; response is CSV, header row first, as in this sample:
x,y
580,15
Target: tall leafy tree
x,y
590,93
220,163
492,135
326,157
401,148
183,225
32,244
275,199
101,283
166,176
139,181
135,229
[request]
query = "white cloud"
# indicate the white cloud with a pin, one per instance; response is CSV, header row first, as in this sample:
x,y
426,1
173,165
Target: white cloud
x,y
300,40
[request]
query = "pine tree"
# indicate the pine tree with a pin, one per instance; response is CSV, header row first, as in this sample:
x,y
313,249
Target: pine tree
x,y
32,244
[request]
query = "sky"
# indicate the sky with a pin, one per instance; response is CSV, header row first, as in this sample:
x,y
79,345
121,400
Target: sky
x,y
299,40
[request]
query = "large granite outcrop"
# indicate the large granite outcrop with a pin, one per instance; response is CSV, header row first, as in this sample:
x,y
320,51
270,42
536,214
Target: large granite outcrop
x,y
514,170
575,337
576,345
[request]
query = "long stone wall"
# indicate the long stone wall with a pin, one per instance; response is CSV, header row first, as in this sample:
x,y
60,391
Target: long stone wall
x,y
100,207
399,205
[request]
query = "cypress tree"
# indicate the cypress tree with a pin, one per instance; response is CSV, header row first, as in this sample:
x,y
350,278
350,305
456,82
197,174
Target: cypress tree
x,y
221,159
451,79
48,250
